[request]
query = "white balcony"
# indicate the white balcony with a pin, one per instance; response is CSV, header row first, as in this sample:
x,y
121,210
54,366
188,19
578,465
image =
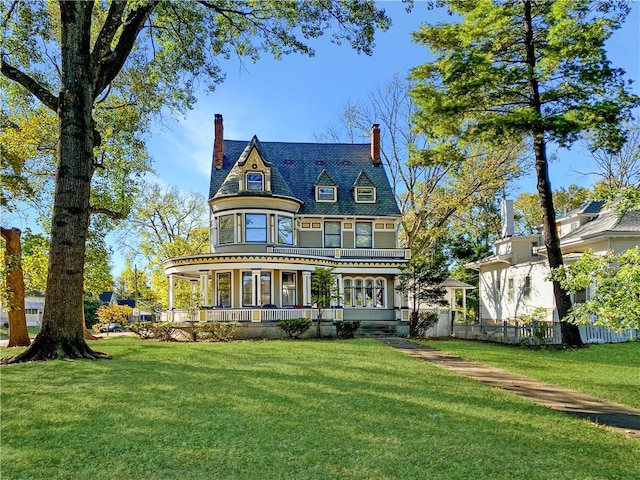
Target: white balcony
x,y
403,253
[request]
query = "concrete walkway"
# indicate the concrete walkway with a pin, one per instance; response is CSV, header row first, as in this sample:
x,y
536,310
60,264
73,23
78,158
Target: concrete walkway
x,y
620,418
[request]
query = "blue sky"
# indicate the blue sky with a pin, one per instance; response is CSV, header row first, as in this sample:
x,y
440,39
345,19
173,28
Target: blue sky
x,y
291,99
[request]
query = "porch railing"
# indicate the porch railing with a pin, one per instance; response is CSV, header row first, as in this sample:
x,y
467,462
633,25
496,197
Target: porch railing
x,y
246,315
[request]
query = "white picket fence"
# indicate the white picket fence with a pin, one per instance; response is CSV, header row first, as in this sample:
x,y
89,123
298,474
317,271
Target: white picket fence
x,y
537,333
599,334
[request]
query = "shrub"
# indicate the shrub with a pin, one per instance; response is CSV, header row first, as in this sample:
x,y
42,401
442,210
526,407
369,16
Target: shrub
x,y
294,327
425,321
142,329
346,328
217,331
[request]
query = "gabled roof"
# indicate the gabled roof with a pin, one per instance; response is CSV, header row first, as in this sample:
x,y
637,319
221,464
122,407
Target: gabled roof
x,y
588,208
363,180
295,168
325,180
607,223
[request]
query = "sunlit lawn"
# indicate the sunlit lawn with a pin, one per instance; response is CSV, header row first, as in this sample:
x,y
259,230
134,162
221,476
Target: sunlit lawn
x,y
609,371
284,409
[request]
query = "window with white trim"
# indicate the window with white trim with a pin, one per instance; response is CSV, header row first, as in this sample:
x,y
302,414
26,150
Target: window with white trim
x,y
364,235
255,181
255,227
285,230
288,289
364,292
365,194
225,229
223,289
526,288
325,194
332,234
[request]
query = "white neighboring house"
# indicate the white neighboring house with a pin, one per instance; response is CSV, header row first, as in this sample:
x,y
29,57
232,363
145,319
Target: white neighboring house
x,y
33,306
514,280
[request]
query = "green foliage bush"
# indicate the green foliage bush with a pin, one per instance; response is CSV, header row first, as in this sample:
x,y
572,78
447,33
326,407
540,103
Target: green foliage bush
x,y
425,321
171,331
294,327
217,331
346,328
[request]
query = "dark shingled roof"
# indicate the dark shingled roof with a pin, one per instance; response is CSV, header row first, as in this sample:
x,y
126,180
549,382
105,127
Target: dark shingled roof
x,y
295,168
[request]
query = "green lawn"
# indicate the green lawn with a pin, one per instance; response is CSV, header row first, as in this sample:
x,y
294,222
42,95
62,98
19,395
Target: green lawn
x,y
4,332
284,410
609,371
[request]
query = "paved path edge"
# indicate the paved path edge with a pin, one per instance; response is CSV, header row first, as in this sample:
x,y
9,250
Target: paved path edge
x,y
619,418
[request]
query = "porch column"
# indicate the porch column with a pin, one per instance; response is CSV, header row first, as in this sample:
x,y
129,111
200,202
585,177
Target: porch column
x,y
171,291
340,287
194,289
464,304
255,290
306,289
397,296
204,289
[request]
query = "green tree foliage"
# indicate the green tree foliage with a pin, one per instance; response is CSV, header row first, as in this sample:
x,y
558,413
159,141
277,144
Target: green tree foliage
x,y
430,195
324,291
528,213
165,223
523,69
74,56
614,281
421,280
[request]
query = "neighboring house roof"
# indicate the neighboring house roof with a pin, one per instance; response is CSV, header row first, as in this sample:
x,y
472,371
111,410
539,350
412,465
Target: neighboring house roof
x,y
453,283
296,167
105,297
590,207
607,223
128,302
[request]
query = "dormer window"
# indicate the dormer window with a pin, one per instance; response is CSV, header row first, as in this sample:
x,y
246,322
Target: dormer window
x,y
325,194
255,181
365,195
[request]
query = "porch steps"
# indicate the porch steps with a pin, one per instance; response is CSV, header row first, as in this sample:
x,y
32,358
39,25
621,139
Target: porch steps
x,y
371,329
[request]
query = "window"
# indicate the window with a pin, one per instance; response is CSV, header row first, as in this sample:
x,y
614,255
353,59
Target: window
x,y
285,230
496,290
365,194
510,289
225,229
223,293
363,235
326,194
31,311
254,181
332,237
247,289
364,292
265,288
288,289
526,289
534,249
255,229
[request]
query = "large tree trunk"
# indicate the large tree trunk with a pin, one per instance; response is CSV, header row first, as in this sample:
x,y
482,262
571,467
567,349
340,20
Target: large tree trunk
x,y
18,334
570,332
62,326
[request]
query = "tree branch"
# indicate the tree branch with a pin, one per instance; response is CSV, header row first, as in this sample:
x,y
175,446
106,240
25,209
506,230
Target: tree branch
x,y
41,93
110,62
105,211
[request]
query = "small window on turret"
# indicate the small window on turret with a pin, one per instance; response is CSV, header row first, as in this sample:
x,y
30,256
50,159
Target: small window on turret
x,y
255,181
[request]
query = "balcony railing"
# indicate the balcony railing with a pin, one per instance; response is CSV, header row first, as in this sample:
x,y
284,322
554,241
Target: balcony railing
x,y
344,252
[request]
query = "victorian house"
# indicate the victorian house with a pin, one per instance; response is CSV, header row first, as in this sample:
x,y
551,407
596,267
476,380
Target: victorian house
x,y
280,210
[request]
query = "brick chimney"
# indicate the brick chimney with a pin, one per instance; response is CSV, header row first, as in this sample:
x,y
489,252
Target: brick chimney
x,y
218,151
375,144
